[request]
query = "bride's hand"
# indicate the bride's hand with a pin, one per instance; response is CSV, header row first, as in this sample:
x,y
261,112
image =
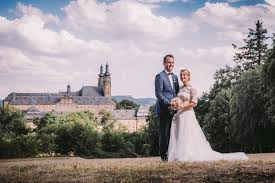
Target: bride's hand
x,y
177,105
182,107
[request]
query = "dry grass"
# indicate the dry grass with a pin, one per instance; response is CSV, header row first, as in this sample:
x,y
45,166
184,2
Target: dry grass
x,y
260,168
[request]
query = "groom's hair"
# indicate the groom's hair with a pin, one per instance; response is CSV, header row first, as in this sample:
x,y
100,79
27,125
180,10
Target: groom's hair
x,y
166,56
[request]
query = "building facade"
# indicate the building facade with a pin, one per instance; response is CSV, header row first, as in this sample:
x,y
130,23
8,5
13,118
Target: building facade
x,y
88,98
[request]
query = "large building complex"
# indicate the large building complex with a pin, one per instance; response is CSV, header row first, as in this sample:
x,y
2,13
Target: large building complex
x,y
88,98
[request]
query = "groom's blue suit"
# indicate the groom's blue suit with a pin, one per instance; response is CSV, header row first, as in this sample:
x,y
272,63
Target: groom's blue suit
x,y
164,93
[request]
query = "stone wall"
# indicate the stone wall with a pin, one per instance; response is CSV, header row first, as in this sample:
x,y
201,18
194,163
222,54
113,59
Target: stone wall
x,y
132,125
67,108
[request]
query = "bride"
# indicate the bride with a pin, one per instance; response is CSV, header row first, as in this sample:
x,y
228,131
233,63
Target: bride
x,y
187,140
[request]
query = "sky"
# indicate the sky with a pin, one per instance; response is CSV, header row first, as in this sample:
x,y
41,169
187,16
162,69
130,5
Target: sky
x,y
46,45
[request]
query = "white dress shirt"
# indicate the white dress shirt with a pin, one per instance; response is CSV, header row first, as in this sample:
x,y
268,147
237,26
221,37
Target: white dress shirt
x,y
170,78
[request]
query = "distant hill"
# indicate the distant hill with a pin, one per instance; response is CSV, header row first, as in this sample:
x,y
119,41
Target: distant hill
x,y
1,103
139,101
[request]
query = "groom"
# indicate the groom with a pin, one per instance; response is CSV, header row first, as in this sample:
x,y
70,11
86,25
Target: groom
x,y
166,88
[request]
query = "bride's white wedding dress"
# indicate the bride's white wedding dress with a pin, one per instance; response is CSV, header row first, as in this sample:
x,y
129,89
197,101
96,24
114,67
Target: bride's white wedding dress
x,y
187,140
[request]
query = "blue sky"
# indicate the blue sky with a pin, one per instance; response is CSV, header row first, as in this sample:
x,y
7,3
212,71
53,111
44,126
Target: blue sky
x,y
180,8
60,42
53,6
177,8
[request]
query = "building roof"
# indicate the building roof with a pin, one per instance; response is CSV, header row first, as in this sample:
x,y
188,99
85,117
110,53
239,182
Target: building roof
x,y
92,91
51,100
32,113
32,109
87,95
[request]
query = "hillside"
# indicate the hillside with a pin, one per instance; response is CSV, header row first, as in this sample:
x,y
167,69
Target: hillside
x,y
259,168
139,101
1,103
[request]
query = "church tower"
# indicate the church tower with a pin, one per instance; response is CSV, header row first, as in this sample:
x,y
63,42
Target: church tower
x,y
68,88
107,82
101,76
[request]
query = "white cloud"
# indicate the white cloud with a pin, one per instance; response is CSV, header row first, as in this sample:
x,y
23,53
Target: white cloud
x,y
232,23
233,1
126,19
156,1
187,1
29,10
14,62
271,2
210,55
25,73
126,34
224,16
31,51
234,36
31,34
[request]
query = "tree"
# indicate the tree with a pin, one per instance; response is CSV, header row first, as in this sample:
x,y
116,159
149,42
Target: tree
x,y
15,139
140,142
47,119
152,131
84,117
245,118
106,119
255,48
46,137
65,133
224,78
113,141
78,138
127,104
269,66
250,124
12,121
269,80
202,108
218,120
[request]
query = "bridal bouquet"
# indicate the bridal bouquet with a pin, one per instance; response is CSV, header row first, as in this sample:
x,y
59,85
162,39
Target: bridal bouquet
x,y
176,103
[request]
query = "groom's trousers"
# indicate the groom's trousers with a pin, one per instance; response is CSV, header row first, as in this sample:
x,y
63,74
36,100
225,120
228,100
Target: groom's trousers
x,y
165,119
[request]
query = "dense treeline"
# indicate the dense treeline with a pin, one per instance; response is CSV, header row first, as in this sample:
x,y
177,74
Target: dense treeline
x,y
79,133
238,113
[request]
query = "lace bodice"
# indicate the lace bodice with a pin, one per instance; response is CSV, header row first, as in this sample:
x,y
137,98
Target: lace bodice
x,y
188,94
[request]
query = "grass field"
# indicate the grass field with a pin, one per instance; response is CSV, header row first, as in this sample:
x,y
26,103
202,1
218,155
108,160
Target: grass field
x,y
259,168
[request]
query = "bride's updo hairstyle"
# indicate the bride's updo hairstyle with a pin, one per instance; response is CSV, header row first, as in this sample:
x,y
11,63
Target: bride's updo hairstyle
x,y
186,71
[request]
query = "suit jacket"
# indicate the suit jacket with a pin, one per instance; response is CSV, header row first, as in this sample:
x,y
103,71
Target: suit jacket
x,y
164,91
